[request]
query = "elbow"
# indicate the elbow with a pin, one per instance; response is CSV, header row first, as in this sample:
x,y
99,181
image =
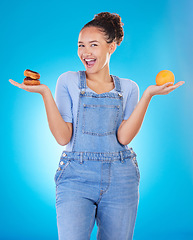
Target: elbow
x,y
125,141
121,139
62,138
62,141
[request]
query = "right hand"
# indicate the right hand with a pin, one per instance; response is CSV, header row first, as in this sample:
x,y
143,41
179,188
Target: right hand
x,y
163,89
34,88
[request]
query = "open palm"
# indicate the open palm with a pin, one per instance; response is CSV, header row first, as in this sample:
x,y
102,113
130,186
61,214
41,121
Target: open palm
x,y
163,89
35,88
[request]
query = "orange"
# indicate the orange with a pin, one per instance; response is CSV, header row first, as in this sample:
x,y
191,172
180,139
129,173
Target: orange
x,y
164,76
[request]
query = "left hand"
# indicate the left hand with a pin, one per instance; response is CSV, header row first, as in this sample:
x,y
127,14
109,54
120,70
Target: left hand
x,y
163,89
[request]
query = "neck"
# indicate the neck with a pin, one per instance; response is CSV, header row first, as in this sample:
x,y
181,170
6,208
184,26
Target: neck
x,y
102,76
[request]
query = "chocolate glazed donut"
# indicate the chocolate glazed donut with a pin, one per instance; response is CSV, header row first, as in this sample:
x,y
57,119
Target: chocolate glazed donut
x,y
32,78
31,74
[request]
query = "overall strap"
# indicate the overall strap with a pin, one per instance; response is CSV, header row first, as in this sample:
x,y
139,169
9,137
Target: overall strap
x,y
117,83
82,82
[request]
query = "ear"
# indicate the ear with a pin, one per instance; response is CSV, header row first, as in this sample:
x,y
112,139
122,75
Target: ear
x,y
112,47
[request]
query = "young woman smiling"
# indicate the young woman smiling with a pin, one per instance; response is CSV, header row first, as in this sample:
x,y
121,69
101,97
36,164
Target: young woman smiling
x,y
96,116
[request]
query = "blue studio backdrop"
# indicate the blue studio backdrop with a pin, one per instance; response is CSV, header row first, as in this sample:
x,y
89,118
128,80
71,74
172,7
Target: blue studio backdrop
x,y
42,36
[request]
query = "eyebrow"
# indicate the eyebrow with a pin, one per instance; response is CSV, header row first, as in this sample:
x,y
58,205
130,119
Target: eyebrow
x,y
89,42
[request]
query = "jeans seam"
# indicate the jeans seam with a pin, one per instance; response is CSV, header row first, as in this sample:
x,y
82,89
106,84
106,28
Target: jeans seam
x,y
136,168
62,171
98,235
90,227
107,188
77,120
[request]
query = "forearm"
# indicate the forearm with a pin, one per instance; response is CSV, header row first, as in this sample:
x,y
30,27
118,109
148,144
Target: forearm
x,y
57,125
129,129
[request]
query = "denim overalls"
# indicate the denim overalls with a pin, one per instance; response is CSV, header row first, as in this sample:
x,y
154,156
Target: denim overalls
x,y
99,178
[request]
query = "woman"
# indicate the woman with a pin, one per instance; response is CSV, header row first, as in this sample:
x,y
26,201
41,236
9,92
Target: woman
x,y
96,115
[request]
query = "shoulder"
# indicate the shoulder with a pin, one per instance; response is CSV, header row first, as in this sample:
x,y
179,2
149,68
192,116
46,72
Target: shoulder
x,y
67,77
129,85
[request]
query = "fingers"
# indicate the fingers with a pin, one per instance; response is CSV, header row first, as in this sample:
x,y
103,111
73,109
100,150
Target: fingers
x,y
19,85
167,84
15,83
173,87
179,83
165,88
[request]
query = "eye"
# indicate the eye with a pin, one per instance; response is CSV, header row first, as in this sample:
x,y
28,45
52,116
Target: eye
x,y
81,45
94,45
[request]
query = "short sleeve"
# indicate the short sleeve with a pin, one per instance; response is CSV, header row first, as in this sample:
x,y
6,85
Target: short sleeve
x,y
132,100
63,99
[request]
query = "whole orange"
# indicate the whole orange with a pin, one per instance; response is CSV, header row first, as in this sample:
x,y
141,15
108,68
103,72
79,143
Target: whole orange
x,y
164,76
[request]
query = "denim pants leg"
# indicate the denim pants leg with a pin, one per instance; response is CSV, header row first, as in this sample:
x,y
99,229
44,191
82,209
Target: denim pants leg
x,y
117,209
76,193
96,190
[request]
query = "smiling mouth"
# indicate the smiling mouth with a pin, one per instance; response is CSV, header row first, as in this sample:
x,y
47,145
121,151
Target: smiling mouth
x,y
90,62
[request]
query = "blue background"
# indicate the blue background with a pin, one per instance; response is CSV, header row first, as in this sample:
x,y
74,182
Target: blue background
x,y
42,36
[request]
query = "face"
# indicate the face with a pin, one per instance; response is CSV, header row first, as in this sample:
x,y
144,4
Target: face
x,y
93,50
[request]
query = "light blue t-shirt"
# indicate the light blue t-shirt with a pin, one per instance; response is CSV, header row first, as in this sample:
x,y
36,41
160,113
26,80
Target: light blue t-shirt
x,y
67,97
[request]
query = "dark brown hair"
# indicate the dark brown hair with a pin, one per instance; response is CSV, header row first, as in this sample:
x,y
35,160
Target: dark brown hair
x,y
110,24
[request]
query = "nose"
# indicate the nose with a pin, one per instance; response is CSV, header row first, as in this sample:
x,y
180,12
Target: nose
x,y
85,55
87,52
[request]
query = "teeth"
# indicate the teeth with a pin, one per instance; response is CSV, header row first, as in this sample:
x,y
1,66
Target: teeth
x,y
88,60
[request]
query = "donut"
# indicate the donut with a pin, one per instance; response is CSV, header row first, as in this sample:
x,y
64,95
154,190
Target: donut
x,y
32,78
31,81
31,74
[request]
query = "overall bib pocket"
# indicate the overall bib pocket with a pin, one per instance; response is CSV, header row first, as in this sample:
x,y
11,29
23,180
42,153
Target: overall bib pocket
x,y
93,124
63,164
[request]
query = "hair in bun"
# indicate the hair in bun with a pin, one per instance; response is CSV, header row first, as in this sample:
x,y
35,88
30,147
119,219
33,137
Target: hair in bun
x,y
110,24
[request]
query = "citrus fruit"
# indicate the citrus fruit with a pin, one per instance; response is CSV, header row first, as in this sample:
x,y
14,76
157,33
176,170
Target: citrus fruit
x,y
164,76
